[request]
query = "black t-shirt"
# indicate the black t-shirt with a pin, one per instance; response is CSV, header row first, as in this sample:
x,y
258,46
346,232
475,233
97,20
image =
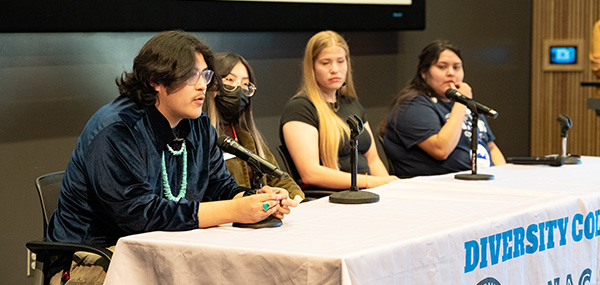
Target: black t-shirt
x,y
301,109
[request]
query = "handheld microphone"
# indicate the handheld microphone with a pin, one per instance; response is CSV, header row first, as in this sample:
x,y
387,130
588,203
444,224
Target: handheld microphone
x,y
229,145
453,94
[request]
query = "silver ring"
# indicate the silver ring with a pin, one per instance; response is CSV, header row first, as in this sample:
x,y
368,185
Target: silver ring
x,y
266,206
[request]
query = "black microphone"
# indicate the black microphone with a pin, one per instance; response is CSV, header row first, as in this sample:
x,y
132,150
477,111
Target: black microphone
x,y
453,94
229,145
565,125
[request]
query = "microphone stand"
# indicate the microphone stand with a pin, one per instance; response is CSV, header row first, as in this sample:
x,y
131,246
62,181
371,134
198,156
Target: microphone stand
x,y
268,222
354,196
565,125
474,144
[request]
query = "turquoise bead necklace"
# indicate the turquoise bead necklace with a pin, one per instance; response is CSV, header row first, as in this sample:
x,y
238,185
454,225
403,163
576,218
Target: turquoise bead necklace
x,y
165,178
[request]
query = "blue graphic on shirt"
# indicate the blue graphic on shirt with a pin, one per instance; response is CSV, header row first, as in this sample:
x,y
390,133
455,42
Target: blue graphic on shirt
x,y
483,156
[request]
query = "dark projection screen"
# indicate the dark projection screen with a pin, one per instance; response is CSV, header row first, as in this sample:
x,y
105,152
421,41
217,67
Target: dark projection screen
x,y
224,15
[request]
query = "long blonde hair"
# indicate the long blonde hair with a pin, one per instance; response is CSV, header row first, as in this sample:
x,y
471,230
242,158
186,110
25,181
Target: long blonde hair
x,y
332,129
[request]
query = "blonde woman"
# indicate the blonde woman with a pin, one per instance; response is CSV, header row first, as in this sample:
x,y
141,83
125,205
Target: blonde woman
x,y
313,126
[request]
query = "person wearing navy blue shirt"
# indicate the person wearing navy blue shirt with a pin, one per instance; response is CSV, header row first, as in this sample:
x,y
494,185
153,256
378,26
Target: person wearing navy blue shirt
x,y
425,132
149,160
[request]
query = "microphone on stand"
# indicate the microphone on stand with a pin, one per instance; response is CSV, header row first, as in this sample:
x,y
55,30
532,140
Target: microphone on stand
x,y
553,160
565,125
476,110
229,145
453,94
259,167
354,196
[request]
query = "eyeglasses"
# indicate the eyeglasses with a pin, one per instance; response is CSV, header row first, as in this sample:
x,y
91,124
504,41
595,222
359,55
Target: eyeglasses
x,y
248,88
206,74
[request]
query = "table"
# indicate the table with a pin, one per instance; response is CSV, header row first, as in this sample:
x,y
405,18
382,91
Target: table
x,y
530,225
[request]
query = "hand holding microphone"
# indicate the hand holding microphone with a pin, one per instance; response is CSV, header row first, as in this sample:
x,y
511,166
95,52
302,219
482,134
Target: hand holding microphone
x,y
473,105
463,88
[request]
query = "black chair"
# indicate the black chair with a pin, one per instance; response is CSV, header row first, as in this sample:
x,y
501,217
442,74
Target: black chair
x,y
388,162
47,252
293,172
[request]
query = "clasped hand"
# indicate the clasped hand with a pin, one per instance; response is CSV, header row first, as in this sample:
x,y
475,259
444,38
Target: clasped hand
x,y
268,201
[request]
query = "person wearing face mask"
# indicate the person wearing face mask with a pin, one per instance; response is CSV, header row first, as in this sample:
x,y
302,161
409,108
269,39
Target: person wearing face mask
x,y
313,124
425,132
230,112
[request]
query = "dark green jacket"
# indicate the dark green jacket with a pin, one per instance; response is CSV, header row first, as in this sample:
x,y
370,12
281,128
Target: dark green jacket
x,y
239,169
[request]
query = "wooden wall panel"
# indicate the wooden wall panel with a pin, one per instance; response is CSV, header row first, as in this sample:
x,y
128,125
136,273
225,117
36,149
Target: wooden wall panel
x,y
554,93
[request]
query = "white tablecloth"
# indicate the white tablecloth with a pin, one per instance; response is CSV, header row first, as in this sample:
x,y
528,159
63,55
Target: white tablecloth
x,y
530,225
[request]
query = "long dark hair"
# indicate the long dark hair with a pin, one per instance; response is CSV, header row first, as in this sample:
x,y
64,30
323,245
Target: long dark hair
x,y
418,86
169,58
224,63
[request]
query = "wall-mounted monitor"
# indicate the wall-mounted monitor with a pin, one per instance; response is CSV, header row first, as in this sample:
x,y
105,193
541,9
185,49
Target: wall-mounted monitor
x,y
217,15
563,55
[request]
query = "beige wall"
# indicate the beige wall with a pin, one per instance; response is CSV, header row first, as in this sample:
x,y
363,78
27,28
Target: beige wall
x,y
554,93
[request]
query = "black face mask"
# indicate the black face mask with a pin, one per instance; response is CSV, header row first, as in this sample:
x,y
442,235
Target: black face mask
x,y
231,103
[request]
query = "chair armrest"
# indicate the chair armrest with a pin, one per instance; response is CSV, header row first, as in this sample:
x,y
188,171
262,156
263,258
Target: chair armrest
x,y
60,248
